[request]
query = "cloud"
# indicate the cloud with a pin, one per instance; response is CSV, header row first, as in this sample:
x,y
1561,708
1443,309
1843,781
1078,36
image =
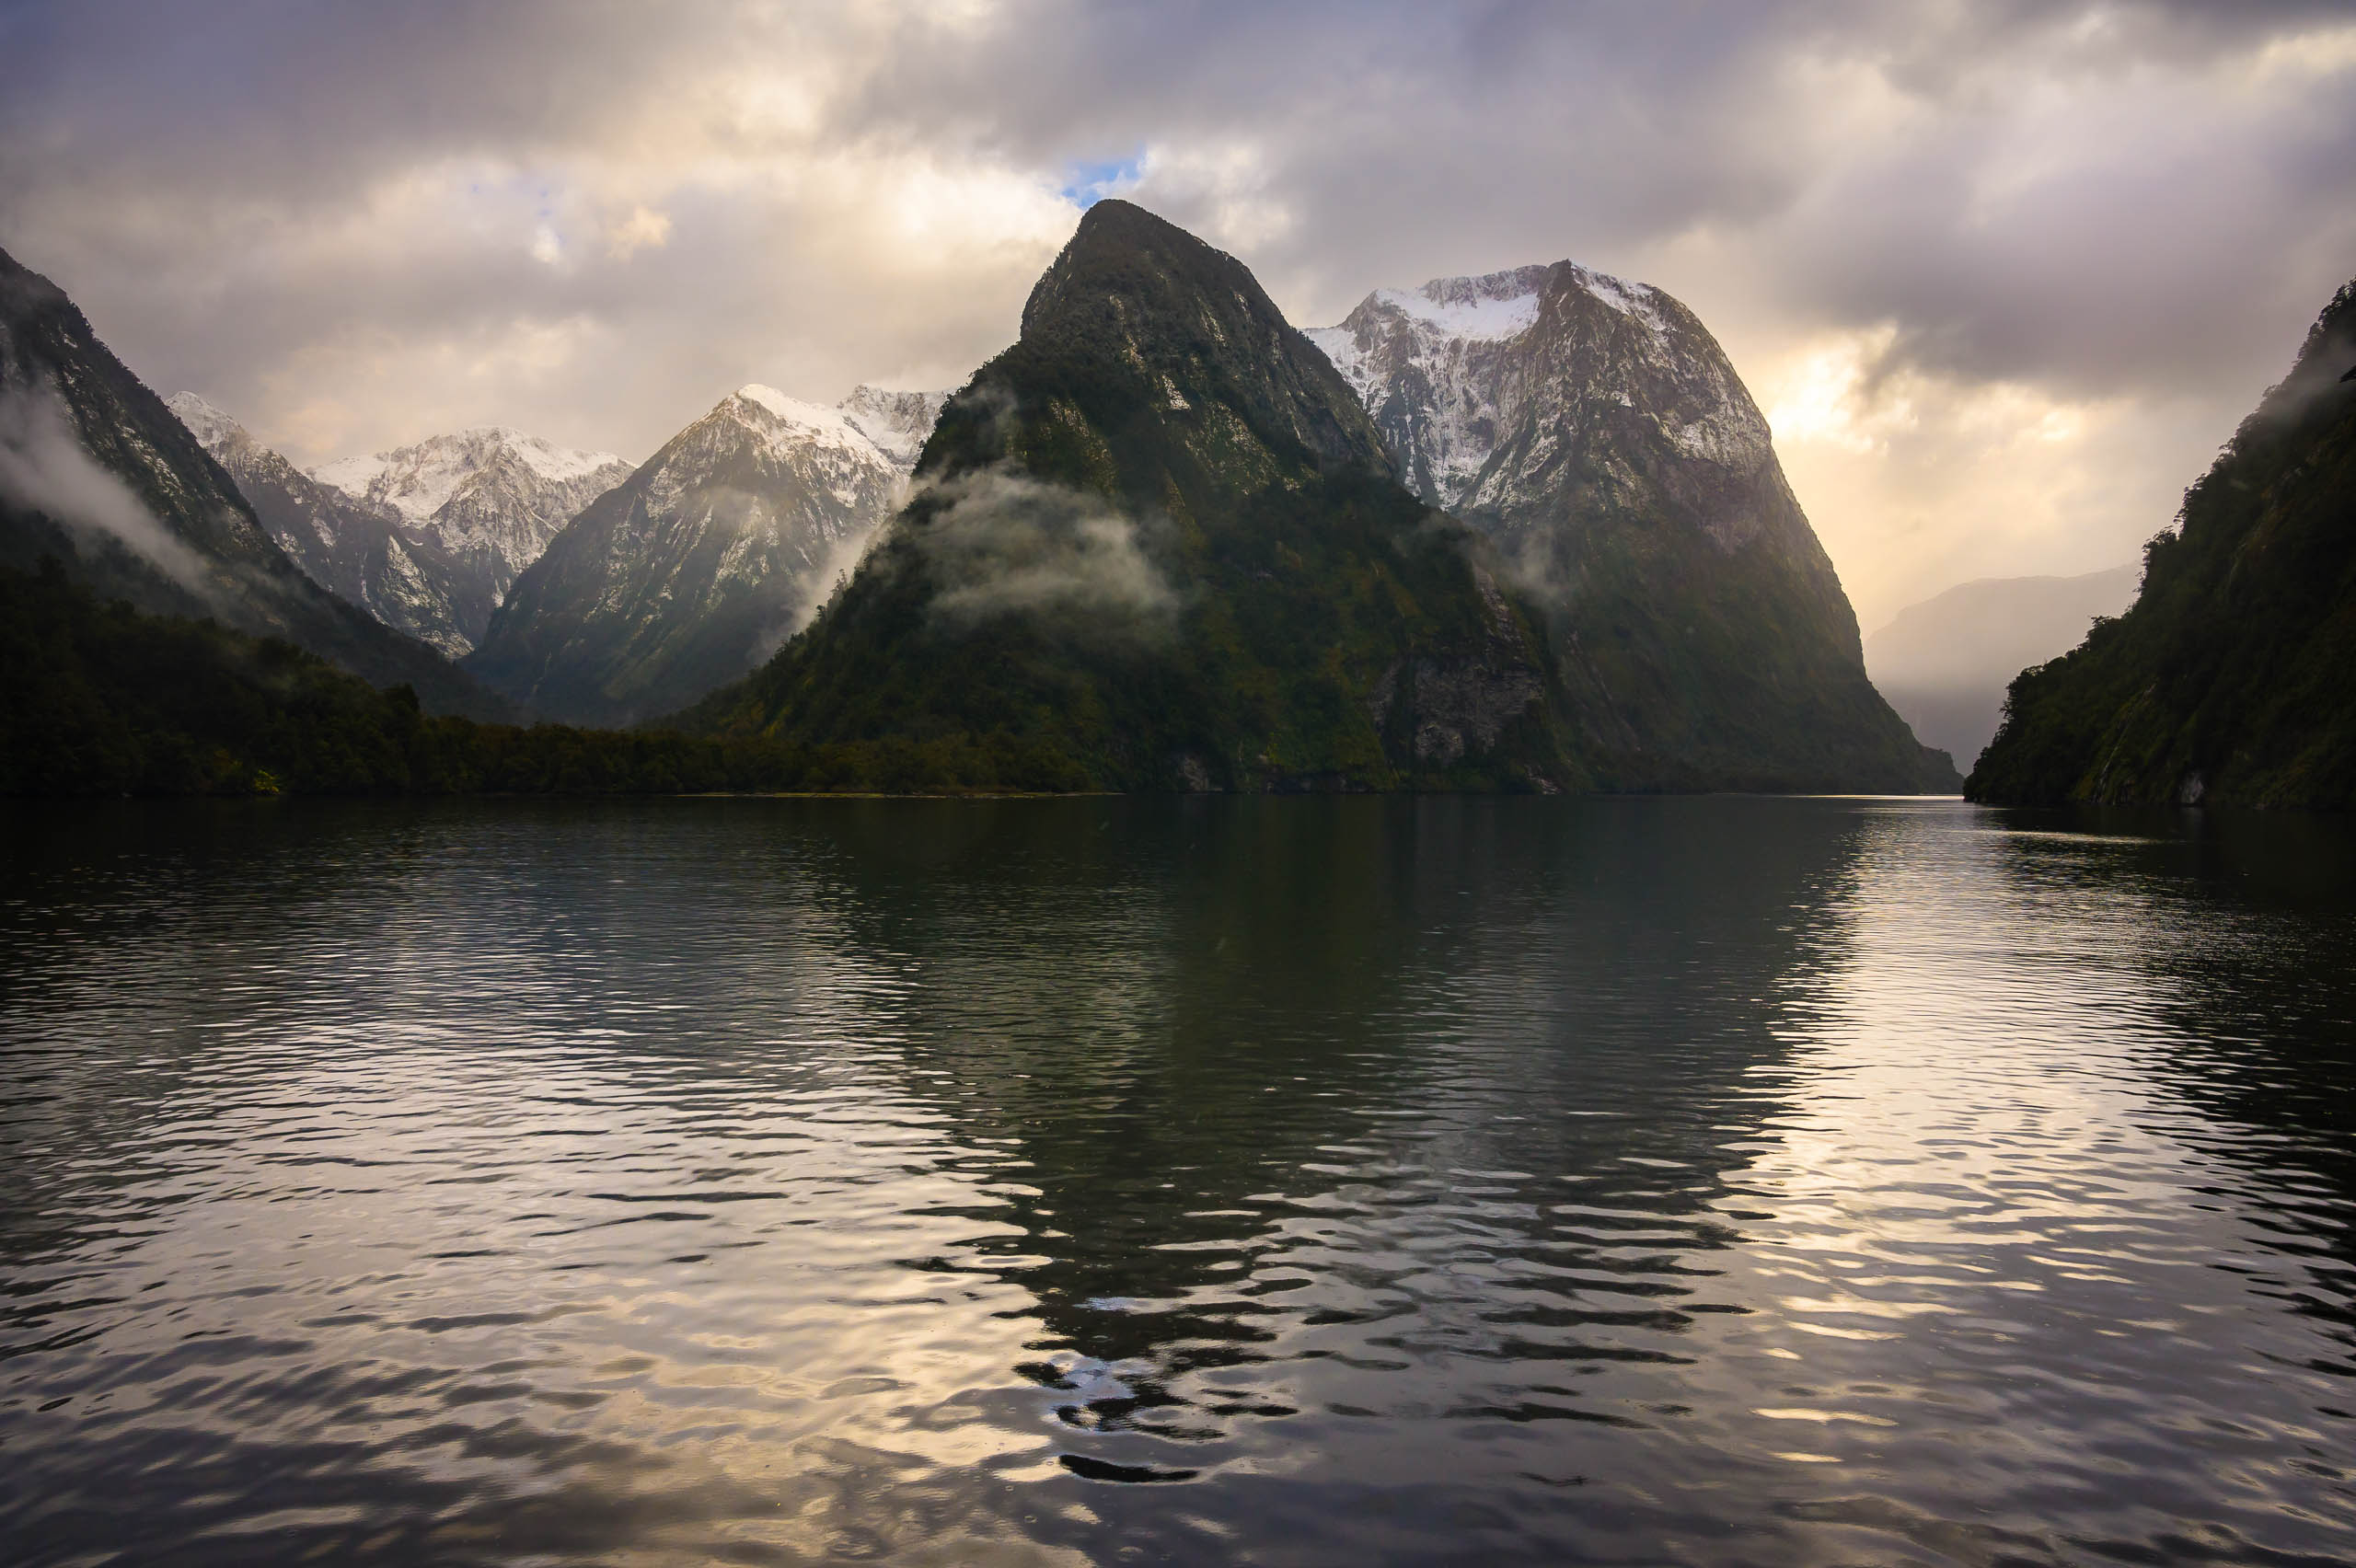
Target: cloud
x,y
365,224
997,543
644,228
43,468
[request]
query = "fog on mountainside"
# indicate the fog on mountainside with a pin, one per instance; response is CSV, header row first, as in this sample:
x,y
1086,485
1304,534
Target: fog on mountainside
x,y
2232,679
693,570
102,478
362,553
1596,434
1238,593
1945,663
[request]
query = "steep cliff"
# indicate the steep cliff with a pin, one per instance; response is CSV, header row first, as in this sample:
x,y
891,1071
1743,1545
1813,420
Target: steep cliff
x,y
2229,680
1596,432
1156,545
694,568
96,472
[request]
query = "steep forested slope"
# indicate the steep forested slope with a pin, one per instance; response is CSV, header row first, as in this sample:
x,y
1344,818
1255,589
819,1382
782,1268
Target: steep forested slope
x,y
1158,544
2232,679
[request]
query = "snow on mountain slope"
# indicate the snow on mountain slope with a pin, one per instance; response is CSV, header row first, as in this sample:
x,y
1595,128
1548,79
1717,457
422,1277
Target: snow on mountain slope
x,y
1450,371
694,568
1593,428
897,422
367,555
491,496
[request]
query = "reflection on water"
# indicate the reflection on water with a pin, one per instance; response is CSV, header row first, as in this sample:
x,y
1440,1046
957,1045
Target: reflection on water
x,y
1290,1182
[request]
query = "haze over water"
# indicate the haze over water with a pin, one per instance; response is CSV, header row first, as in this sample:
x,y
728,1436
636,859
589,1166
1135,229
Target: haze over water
x,y
1715,1181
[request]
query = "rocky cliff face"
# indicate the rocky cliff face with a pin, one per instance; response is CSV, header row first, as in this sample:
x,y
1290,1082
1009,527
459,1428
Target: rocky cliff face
x,y
489,499
1596,432
2228,681
95,471
366,555
1158,545
698,565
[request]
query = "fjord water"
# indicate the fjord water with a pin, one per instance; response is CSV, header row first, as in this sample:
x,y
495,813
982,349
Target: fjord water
x,y
1719,1181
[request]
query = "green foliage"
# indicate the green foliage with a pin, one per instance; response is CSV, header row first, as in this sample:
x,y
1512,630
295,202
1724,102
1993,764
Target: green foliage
x,y
2234,676
102,699
1300,576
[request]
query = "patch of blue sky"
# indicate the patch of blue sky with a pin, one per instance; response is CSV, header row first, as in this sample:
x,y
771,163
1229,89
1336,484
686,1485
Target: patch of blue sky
x,y
1086,183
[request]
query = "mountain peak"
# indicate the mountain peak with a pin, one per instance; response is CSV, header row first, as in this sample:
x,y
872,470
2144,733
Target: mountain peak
x,y
207,422
898,422
1148,324
1122,251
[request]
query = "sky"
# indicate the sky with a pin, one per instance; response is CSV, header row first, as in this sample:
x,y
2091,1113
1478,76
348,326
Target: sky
x,y
2002,275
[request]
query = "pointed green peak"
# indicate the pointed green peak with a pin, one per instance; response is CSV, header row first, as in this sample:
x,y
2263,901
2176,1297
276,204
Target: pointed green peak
x,y
1147,356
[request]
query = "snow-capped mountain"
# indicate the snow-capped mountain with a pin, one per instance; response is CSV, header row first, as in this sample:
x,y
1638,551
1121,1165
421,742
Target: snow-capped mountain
x,y
490,498
895,422
366,554
99,476
1596,430
695,568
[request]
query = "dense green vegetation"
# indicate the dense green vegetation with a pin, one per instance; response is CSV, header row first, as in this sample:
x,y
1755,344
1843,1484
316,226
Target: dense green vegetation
x,y
99,698
201,549
2232,679
1162,547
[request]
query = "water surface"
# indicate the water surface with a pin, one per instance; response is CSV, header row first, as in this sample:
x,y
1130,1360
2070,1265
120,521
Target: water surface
x,y
1288,1181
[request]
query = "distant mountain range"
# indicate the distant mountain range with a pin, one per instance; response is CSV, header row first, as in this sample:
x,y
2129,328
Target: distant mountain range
x,y
692,571
427,537
1944,663
1168,541
99,475
1157,544
1594,432
2232,680
1523,531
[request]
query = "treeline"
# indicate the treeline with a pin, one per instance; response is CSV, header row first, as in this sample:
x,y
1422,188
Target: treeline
x,y
99,698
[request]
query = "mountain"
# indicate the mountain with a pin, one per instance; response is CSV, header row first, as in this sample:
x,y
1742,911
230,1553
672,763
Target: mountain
x,y
691,571
489,498
364,554
1944,663
897,422
1595,431
97,473
1157,544
99,698
2229,681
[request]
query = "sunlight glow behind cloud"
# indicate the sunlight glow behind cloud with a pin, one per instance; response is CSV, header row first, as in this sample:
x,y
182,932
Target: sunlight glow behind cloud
x,y
2003,275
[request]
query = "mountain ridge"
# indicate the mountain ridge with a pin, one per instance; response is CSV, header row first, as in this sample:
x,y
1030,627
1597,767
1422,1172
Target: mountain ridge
x,y
1595,432
97,473
2226,681
1244,596
1943,663
366,555
692,570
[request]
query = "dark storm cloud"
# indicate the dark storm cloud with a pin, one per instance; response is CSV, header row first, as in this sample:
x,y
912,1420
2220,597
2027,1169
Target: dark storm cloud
x,y
355,223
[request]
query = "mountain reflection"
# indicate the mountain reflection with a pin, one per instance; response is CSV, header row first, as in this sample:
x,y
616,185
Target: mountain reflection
x,y
1397,1179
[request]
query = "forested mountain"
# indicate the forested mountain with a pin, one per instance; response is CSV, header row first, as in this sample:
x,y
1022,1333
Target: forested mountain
x,y
1594,431
1158,544
1944,663
2232,679
694,568
104,700
96,472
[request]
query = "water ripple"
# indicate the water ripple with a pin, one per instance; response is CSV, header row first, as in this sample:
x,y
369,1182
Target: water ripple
x,y
1734,1181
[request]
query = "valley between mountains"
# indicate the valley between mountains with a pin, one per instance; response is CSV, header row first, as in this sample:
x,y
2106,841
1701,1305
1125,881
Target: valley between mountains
x,y
1522,531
